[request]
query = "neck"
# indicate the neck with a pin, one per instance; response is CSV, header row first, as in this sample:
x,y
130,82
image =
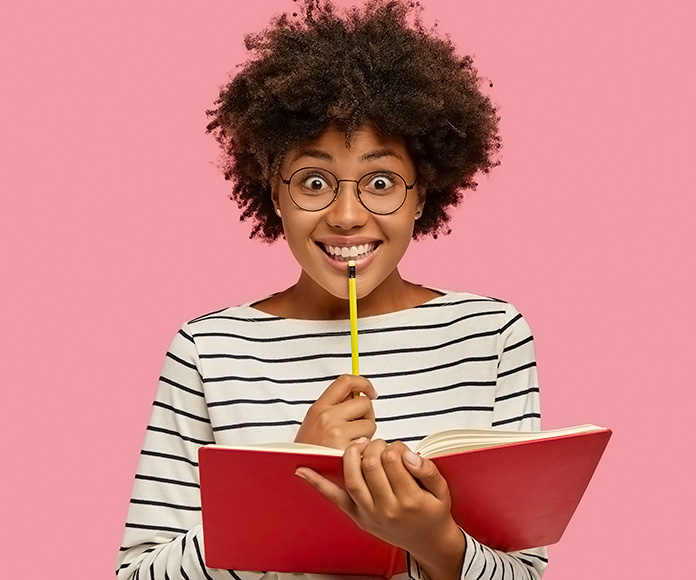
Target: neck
x,y
391,295
306,300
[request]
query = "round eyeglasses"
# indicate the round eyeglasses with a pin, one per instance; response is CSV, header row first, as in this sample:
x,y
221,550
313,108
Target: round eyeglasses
x,y
314,189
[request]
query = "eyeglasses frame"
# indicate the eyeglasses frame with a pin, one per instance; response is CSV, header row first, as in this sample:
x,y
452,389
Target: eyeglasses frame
x,y
338,188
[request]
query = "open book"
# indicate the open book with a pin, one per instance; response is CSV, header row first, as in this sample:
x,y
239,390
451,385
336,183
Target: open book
x,y
510,490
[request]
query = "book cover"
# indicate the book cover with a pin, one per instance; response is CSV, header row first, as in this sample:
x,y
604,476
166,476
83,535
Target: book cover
x,y
258,515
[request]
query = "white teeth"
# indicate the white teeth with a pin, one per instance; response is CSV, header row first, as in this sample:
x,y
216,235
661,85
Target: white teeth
x,y
350,252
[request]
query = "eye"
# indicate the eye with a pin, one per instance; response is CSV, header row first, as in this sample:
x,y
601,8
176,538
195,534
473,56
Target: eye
x,y
315,183
379,183
312,182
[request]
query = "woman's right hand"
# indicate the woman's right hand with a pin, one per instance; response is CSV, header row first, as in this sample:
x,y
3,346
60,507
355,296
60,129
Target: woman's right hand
x,y
341,414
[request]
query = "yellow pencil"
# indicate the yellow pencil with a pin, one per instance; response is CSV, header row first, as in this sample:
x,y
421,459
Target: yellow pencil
x,y
353,301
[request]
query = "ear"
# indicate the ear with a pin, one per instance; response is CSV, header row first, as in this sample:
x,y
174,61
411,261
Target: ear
x,y
421,202
274,196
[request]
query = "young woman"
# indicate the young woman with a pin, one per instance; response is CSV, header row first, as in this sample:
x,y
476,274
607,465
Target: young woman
x,y
348,135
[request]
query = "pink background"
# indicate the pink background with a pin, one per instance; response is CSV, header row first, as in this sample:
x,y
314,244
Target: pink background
x,y
115,229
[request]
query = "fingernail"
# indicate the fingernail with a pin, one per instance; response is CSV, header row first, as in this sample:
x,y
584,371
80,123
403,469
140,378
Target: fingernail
x,y
412,458
360,440
298,473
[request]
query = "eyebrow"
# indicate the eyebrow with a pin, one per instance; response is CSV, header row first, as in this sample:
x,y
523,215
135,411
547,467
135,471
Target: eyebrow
x,y
325,156
312,152
379,154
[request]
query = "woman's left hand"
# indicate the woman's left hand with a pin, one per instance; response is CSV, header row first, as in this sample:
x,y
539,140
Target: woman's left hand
x,y
383,496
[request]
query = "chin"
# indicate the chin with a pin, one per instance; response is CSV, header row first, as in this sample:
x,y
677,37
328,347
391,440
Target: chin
x,y
340,291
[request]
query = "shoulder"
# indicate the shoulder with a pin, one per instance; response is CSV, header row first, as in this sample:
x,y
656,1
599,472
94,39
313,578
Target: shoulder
x,y
241,313
456,304
458,300
226,321
239,318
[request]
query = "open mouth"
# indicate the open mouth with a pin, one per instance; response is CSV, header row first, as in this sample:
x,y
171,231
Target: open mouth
x,y
345,253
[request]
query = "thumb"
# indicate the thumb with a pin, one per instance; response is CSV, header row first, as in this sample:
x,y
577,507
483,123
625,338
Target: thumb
x,y
425,471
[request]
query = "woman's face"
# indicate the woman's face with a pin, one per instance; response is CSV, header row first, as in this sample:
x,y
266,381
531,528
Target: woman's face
x,y
315,238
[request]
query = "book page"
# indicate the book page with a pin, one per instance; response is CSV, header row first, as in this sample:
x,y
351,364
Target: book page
x,y
454,440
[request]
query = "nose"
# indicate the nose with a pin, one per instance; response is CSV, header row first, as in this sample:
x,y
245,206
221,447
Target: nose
x,y
346,212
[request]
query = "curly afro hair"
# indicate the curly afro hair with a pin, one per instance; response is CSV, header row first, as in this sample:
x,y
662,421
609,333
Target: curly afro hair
x,y
377,65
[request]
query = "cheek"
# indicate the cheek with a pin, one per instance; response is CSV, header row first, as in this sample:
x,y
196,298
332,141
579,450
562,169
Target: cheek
x,y
400,232
297,228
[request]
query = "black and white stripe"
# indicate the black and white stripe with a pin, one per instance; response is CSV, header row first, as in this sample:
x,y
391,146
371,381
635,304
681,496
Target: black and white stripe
x,y
240,376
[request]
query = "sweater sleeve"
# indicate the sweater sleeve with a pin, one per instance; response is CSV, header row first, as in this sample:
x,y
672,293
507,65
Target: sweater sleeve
x,y
516,407
163,537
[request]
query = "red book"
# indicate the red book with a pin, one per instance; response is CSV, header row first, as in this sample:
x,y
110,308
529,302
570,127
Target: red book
x,y
510,490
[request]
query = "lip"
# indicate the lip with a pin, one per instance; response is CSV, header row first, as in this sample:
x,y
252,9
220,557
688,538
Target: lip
x,y
342,266
346,241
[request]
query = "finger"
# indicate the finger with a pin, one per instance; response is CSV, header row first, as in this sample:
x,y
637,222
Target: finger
x,y
352,409
362,386
343,388
353,478
425,471
327,488
400,479
370,411
360,409
374,474
361,428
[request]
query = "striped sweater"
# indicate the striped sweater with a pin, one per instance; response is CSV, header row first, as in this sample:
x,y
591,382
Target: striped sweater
x,y
241,376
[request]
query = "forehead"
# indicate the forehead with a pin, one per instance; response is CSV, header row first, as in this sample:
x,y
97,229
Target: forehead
x,y
363,146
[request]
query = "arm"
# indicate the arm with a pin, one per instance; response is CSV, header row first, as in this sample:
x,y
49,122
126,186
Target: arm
x,y
383,497
163,537
516,407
